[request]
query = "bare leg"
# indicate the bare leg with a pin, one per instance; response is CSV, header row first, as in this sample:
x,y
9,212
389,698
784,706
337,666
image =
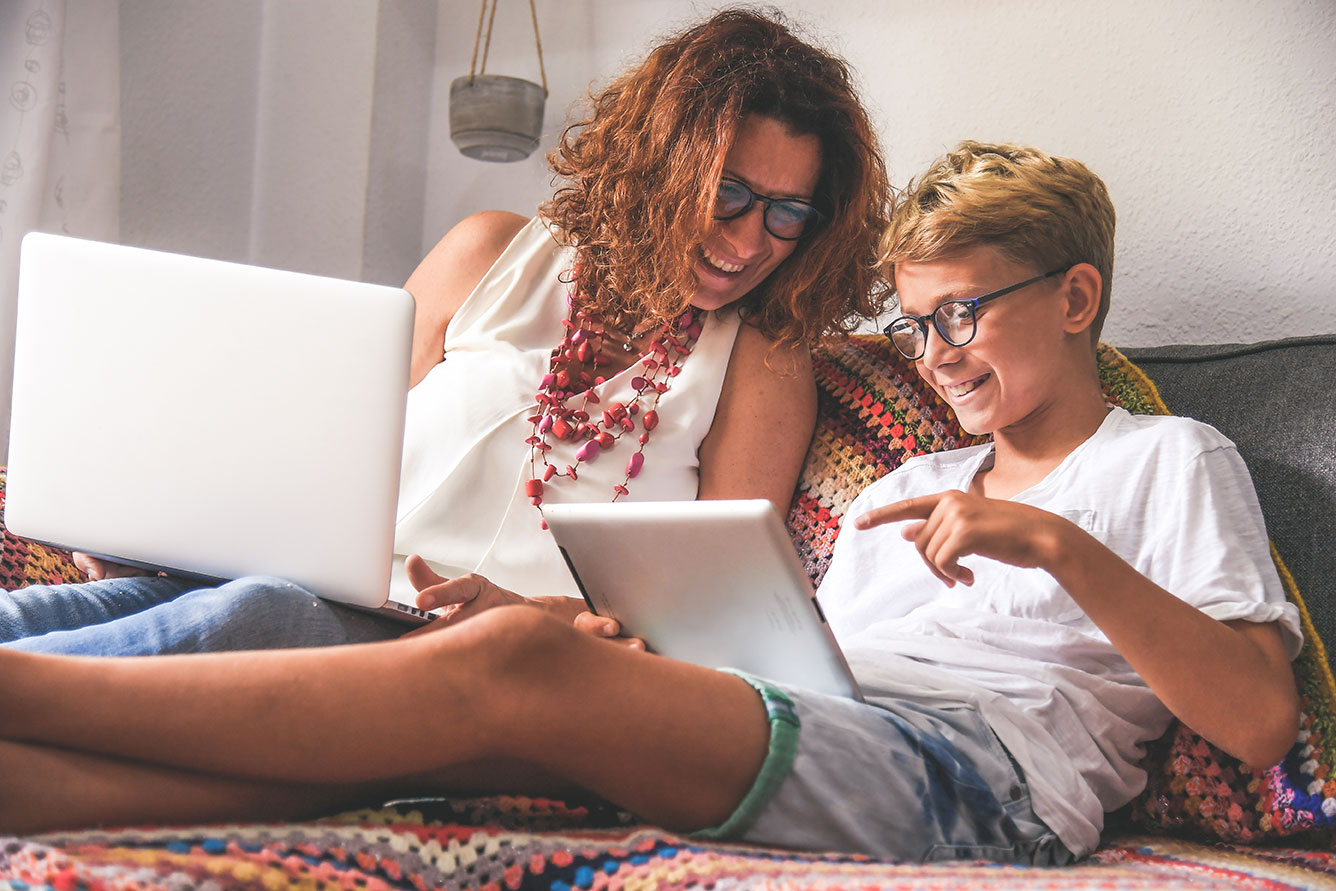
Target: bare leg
x,y
673,742
47,788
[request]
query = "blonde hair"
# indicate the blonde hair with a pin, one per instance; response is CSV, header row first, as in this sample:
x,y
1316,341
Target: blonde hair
x,y
1037,209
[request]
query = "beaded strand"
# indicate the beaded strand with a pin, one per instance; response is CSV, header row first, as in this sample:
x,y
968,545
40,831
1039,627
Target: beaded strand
x,y
583,342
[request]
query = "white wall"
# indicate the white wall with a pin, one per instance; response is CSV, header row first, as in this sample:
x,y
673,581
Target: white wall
x,y
59,137
313,134
1213,123
457,186
286,133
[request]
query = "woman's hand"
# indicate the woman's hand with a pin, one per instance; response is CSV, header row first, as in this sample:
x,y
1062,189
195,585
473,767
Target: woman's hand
x,y
458,598
610,629
97,569
471,594
466,596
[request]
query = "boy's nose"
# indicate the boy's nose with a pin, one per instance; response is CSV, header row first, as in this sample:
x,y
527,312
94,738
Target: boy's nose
x,y
936,351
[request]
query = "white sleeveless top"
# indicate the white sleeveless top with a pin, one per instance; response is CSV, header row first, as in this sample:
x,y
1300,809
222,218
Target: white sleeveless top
x,y
462,504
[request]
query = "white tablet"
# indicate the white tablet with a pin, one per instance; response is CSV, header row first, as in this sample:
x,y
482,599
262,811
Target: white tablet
x,y
716,583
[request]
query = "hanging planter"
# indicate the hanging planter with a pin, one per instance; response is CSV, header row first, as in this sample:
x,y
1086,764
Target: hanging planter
x,y
494,117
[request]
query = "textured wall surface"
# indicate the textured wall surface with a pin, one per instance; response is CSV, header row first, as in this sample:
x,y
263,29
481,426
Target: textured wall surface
x,y
288,133
1212,121
189,77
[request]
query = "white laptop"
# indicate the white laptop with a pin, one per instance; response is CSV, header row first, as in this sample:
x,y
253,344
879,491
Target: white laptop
x,y
716,583
208,418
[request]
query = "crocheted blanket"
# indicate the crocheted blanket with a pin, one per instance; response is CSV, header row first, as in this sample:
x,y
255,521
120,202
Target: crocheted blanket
x,y
517,843
873,413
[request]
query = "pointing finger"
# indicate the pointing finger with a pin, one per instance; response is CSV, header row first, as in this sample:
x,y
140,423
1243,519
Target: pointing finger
x,y
919,508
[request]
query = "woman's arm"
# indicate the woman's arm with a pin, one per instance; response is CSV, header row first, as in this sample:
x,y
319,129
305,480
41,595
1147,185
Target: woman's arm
x,y
762,425
448,275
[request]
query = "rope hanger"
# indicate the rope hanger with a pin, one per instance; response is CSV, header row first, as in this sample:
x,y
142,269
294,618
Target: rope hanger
x,y
482,14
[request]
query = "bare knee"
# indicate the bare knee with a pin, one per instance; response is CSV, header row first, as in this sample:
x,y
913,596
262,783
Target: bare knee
x,y
493,666
510,641
505,647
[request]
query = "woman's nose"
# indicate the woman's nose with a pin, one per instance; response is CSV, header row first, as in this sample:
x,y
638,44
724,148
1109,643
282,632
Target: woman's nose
x,y
747,233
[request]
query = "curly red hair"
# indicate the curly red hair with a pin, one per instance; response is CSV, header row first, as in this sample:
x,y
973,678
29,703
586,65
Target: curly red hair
x,y
642,171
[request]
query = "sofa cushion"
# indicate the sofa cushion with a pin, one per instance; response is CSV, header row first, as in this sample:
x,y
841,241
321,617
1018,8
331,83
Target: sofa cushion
x,y
874,411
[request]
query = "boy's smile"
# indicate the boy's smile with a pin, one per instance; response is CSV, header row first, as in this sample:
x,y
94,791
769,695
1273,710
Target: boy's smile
x,y
960,391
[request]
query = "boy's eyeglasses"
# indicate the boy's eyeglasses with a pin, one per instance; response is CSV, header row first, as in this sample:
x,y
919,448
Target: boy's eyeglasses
x,y
955,320
787,219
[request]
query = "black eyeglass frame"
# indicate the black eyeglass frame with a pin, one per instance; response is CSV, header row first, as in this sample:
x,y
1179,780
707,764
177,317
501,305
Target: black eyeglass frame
x,y
972,303
814,220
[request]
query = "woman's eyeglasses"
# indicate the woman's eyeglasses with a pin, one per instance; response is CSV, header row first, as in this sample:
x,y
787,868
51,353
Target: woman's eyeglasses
x,y
788,219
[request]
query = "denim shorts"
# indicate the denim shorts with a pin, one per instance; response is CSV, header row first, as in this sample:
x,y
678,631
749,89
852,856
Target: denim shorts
x,y
897,781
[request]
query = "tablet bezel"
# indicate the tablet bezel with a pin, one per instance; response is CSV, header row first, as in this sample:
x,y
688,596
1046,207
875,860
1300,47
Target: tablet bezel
x,y
674,575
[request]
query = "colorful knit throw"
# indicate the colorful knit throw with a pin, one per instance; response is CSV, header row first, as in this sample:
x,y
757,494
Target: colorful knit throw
x,y
523,844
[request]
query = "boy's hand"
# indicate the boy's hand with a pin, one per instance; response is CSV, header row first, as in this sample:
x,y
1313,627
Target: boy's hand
x,y
1185,656
953,524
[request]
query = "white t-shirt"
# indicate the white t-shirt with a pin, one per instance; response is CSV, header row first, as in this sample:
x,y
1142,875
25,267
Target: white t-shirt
x,y
1169,495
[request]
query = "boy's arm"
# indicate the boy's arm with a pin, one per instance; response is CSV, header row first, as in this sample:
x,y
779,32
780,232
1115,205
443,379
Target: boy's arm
x,y
1200,668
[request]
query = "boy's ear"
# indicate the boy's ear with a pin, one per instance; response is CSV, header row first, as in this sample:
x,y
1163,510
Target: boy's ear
x,y
1083,285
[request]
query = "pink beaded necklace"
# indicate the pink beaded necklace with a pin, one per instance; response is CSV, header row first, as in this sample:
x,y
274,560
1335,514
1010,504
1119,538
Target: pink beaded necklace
x,y
583,342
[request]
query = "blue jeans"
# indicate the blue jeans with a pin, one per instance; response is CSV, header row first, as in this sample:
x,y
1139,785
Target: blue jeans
x,y
891,779
154,615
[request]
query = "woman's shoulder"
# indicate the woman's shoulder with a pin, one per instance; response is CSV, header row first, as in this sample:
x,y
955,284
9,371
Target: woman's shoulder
x,y
759,353
447,276
762,370
461,258
484,235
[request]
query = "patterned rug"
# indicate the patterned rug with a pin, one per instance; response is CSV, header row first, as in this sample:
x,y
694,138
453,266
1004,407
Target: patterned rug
x,y
516,843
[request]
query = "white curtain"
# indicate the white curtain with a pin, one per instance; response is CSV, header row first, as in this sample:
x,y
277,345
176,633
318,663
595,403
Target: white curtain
x,y
59,138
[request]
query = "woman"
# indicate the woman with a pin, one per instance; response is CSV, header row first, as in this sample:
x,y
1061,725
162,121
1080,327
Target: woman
x,y
645,337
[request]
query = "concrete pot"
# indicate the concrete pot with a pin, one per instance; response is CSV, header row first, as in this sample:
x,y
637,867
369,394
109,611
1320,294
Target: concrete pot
x,y
495,117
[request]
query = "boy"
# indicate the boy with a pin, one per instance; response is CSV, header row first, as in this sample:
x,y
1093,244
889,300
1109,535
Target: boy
x,y
1022,617
1120,570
